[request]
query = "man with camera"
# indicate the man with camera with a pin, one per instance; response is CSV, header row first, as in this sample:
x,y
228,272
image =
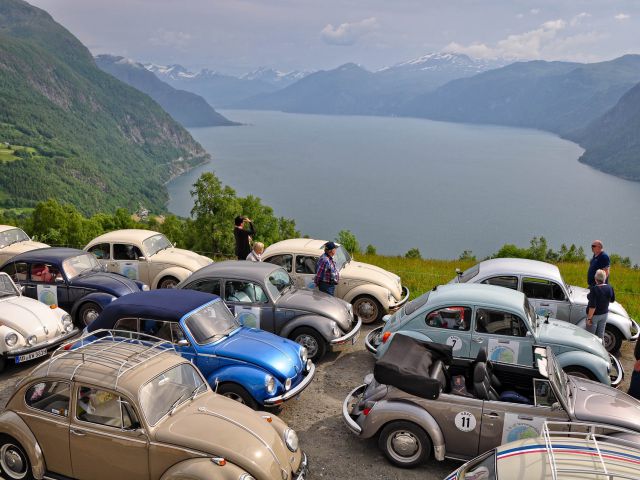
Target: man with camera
x,y
243,236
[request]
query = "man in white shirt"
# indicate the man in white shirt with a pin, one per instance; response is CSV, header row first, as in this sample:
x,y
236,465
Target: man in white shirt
x,y
256,253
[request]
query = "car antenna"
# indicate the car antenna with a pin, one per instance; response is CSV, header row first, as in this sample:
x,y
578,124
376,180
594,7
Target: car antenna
x,y
546,321
215,386
434,288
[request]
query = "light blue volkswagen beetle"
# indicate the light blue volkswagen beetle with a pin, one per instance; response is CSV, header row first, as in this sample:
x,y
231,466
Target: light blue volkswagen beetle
x,y
473,316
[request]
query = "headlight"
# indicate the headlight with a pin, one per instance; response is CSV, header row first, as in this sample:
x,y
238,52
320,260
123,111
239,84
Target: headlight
x,y
11,339
145,287
246,476
66,319
335,331
287,384
31,341
68,327
270,384
304,354
291,439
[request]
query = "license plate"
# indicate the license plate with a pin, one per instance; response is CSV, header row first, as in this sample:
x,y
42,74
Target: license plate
x,y
30,356
355,338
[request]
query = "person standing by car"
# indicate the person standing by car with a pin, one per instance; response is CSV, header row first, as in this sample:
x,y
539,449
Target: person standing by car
x,y
634,386
256,253
243,236
327,274
599,261
600,295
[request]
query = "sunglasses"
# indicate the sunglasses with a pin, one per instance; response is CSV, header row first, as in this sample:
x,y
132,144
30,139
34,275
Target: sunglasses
x,y
594,246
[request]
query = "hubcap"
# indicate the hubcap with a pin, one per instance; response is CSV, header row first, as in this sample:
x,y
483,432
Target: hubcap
x,y
309,342
404,446
234,396
169,283
90,315
12,462
608,341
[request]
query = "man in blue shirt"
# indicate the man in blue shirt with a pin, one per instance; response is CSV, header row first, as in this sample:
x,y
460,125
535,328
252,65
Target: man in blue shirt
x,y
599,261
600,296
327,274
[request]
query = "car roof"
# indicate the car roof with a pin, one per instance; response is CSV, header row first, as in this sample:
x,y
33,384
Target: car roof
x,y
519,266
125,235
296,245
4,228
162,304
477,293
47,254
242,269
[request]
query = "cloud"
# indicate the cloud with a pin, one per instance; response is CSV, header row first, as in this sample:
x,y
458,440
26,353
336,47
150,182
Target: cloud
x,y
534,11
622,16
348,33
579,18
520,15
167,38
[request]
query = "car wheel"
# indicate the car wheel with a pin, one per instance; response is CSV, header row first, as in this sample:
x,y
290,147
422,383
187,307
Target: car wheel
x,y
168,282
14,463
237,393
580,372
87,313
367,308
314,342
612,340
3,363
405,444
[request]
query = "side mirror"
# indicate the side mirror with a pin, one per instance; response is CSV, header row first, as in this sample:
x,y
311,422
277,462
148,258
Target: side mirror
x,y
22,288
529,334
142,259
103,267
59,279
183,343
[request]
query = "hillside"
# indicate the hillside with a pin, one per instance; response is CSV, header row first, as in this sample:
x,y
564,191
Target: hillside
x,y
189,109
90,139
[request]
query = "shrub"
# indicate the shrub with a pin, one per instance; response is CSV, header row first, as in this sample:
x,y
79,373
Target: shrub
x,y
413,253
370,250
349,241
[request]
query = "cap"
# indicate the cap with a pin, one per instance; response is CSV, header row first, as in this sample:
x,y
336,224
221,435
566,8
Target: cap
x,y
330,246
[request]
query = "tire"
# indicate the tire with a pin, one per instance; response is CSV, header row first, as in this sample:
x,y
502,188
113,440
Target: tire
x,y
237,393
3,363
87,313
311,339
168,282
405,444
580,372
367,308
612,339
14,462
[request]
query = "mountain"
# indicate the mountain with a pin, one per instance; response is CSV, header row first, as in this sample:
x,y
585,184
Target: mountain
x,y
274,77
559,97
189,109
612,141
74,132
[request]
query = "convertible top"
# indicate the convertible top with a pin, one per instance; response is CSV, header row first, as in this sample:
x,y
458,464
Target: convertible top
x,y
408,364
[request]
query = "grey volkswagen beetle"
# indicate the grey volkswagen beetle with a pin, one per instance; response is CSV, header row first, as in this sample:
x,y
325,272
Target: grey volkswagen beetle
x,y
263,295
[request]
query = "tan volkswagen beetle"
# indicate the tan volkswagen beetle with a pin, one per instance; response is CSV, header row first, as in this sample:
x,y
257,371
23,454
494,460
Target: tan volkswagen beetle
x,y
14,240
119,408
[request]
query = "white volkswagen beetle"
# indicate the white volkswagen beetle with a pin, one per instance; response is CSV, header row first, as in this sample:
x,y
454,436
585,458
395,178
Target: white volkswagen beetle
x,y
29,328
14,240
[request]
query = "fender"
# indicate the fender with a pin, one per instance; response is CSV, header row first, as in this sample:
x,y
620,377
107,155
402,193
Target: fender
x,y
385,411
178,273
202,469
251,378
101,298
375,291
11,424
409,333
596,365
622,324
321,324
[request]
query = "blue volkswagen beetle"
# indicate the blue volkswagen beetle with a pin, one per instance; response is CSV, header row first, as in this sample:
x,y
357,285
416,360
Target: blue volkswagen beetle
x,y
70,278
249,365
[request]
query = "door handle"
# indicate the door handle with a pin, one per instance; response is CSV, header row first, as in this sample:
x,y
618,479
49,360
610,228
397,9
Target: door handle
x,y
525,417
478,340
492,415
79,433
544,304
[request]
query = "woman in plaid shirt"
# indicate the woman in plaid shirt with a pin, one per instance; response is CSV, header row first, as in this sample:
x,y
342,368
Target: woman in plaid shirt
x,y
327,274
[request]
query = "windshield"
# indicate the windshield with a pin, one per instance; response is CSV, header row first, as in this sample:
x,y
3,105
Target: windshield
x,y
14,235
211,322
168,390
153,245
7,287
532,316
341,257
74,266
277,282
557,377
482,467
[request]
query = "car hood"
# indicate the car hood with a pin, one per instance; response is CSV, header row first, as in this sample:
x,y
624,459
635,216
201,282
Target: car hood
x,y
31,317
112,283
224,428
579,297
274,354
595,402
558,332
318,303
372,274
181,258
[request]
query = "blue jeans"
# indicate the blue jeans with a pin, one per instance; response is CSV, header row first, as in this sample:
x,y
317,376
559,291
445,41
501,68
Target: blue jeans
x,y
327,288
597,325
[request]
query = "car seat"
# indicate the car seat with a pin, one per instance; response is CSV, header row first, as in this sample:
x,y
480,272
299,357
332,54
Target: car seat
x,y
482,384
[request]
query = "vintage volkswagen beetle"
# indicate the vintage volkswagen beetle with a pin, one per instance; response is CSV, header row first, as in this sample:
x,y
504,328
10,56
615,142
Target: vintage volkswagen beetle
x,y
262,295
473,316
70,278
249,365
126,409
419,406
371,290
14,240
145,255
548,293
28,328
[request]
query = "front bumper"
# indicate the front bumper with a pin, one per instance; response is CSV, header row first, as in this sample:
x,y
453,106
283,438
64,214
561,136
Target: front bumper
x,y
400,303
303,469
50,345
346,408
294,391
635,331
349,337
372,340
619,375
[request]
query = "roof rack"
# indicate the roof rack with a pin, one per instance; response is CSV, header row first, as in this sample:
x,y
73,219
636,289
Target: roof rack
x,y
611,446
118,350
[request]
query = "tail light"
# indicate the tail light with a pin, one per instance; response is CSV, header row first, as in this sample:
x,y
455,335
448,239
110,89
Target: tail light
x,y
386,336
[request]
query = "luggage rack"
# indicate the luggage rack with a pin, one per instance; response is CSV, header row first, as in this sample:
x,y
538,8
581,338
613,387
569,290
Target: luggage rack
x,y
118,350
600,449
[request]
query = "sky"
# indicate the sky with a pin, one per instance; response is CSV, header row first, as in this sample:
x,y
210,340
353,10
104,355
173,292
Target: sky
x,y
237,36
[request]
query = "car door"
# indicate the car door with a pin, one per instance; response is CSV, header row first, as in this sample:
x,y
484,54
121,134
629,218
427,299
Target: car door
x,y
48,285
547,297
125,261
250,304
503,334
450,325
305,271
459,418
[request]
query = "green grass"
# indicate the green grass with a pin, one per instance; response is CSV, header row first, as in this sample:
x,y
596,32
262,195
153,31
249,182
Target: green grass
x,y
422,275
8,153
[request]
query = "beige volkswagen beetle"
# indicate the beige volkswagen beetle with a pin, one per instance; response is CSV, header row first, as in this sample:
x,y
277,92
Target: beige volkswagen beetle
x,y
14,240
146,256
373,291
119,408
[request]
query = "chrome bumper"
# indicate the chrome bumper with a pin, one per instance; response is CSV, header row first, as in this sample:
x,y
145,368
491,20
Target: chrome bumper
x,y
345,338
401,302
634,326
620,371
351,423
303,469
51,344
294,391
371,341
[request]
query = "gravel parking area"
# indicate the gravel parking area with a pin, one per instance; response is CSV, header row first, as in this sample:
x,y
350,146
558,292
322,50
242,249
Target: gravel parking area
x,y
316,415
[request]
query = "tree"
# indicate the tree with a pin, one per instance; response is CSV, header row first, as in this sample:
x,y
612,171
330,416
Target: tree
x,y
413,253
370,250
467,255
349,241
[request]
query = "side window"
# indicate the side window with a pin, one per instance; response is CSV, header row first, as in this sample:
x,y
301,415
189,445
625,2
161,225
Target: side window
x,y
17,271
101,251
103,408
306,264
542,289
45,273
157,328
244,292
50,397
454,318
123,251
127,324
285,261
206,285
499,323
503,281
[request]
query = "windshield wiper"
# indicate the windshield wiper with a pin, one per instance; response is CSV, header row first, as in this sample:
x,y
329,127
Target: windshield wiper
x,y
175,404
195,391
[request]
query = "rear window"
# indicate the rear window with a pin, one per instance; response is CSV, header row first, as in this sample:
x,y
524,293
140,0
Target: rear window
x,y
468,274
416,303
